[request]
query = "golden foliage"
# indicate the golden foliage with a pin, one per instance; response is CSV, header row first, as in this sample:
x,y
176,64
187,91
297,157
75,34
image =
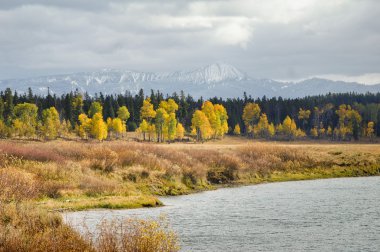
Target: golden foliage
x,y
237,129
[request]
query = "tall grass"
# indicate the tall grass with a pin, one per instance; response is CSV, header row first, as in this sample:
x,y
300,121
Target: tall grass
x,y
81,175
25,228
68,169
132,235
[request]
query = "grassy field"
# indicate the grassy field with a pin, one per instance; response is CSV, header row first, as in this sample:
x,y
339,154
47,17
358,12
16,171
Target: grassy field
x,y
39,178
75,175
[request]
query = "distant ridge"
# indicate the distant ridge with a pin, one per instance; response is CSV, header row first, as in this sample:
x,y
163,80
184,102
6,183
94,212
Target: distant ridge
x,y
218,79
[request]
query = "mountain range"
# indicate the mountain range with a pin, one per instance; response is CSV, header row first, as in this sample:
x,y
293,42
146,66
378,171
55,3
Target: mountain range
x,y
219,79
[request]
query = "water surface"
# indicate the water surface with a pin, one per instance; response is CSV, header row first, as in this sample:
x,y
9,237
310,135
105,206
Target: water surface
x,y
319,215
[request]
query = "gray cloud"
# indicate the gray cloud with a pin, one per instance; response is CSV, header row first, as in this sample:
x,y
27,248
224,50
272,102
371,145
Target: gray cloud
x,y
275,38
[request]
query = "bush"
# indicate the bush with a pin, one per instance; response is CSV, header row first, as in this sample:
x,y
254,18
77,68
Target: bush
x,y
17,185
104,160
24,228
132,235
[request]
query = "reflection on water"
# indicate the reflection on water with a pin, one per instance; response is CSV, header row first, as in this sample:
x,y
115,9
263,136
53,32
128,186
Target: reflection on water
x,y
319,215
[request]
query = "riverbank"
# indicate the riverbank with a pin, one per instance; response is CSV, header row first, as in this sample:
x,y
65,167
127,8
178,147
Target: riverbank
x,y
61,175
267,217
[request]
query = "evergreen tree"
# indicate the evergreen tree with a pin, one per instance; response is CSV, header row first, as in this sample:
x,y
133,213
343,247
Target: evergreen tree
x,y
8,105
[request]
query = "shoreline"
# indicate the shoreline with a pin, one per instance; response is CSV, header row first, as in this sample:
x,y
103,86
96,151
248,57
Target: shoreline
x,y
159,203
74,176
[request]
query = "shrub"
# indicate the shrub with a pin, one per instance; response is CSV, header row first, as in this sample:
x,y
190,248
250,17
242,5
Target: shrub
x,y
104,159
31,152
17,185
93,186
24,228
132,235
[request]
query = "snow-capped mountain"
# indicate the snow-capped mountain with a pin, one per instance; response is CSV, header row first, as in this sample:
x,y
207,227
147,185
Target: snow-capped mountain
x,y
220,79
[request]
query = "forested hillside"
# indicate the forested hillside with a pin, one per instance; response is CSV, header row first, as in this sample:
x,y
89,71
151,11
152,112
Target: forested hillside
x,y
335,116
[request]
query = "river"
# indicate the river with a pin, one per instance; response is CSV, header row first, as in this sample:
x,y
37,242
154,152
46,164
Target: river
x,y
318,215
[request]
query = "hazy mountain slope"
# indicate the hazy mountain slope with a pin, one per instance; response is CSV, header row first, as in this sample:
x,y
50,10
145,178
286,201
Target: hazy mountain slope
x,y
219,79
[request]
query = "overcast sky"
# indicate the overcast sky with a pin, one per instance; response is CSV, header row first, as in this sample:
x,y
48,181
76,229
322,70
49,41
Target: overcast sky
x,y
279,39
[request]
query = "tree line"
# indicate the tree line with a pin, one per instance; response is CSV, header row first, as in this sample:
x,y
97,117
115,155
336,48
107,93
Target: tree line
x,y
162,117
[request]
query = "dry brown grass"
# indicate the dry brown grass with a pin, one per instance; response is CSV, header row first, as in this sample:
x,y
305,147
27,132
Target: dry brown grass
x,y
130,235
68,170
25,228
80,175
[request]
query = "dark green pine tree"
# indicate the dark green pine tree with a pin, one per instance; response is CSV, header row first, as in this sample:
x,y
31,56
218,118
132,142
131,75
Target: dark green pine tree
x,y
115,105
50,101
183,108
108,108
1,108
15,98
378,123
8,105
153,99
67,106
30,97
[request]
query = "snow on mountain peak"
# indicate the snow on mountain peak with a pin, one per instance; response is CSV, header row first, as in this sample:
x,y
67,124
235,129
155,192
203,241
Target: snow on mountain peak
x,y
217,72
218,79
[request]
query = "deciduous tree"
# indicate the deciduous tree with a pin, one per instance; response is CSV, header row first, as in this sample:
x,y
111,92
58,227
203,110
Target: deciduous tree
x,y
95,107
25,121
201,125
98,127
50,123
180,131
237,129
147,111
251,114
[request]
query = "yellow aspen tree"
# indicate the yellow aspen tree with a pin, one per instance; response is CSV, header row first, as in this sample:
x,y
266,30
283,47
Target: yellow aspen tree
x,y
286,126
299,133
261,128
172,126
147,111
371,130
279,129
321,131
152,132
314,132
50,123
18,127
180,131
98,127
209,112
329,131
348,123
237,129
5,131
118,127
170,106
289,128
84,128
144,128
271,130
251,114
222,118
160,120
110,126
201,125
64,129
124,115
26,119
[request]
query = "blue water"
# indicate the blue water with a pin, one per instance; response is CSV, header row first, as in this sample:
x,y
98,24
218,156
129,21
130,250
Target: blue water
x,y
320,215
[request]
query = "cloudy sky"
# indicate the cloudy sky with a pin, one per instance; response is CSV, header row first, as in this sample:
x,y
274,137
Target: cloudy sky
x,y
279,39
